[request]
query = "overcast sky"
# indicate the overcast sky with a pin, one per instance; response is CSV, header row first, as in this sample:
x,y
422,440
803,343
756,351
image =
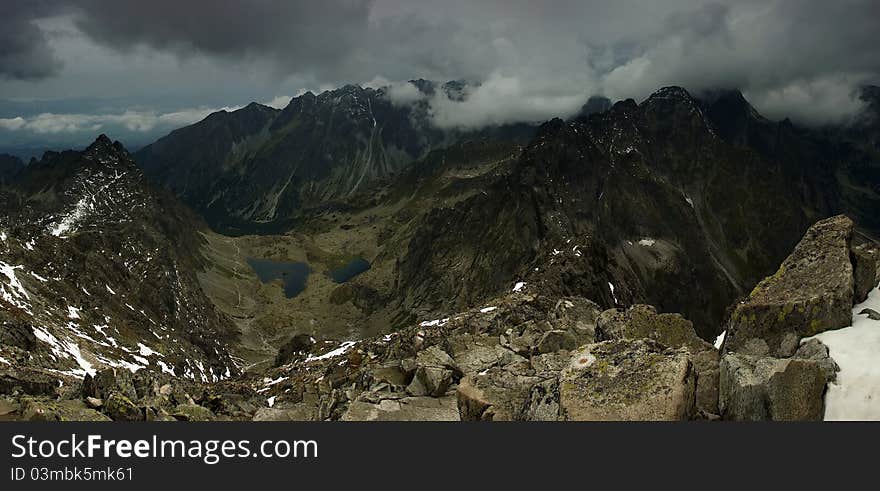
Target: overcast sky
x,y
137,69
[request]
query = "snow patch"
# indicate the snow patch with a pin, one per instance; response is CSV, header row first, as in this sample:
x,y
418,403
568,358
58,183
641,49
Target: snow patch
x,y
337,352
12,290
720,339
856,393
80,210
145,350
486,310
611,286
435,323
519,286
647,242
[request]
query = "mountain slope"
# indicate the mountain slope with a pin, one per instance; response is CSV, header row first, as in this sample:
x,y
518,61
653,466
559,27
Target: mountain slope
x,y
99,270
645,203
257,169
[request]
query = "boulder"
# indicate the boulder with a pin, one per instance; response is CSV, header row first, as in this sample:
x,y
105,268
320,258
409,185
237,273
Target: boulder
x,y
65,410
107,381
405,409
811,292
754,388
192,412
557,340
498,393
673,331
477,353
120,408
434,373
628,380
815,350
643,321
866,270
27,381
297,412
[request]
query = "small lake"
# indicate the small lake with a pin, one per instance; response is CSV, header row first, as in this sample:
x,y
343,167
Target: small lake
x,y
353,268
292,274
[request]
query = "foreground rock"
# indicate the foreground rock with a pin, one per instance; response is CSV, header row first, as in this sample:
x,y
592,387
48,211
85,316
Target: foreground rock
x,y
810,293
673,331
626,380
866,270
763,388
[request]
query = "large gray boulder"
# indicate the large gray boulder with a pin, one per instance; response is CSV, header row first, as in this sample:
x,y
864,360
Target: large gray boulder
x,y
673,331
757,388
866,270
498,393
811,292
628,380
404,409
107,381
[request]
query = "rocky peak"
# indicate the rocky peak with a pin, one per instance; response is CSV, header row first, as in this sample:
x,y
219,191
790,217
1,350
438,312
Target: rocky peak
x,y
10,165
595,105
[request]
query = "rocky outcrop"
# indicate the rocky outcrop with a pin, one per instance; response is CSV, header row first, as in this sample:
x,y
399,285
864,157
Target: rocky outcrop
x,y
628,380
763,388
671,330
811,292
866,270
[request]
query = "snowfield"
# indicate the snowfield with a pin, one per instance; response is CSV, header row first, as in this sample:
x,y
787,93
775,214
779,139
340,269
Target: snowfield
x,y
856,349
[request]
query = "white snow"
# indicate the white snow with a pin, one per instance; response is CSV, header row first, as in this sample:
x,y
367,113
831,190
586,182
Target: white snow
x,y
166,368
4,360
611,286
435,323
271,401
79,211
485,310
145,350
720,339
269,382
110,290
72,312
647,242
856,349
12,290
519,286
337,352
3,236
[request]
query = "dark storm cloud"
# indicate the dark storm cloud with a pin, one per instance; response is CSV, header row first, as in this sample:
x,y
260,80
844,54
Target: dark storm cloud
x,y
534,60
295,34
25,53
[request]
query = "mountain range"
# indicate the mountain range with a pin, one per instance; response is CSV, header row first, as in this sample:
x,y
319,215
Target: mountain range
x,y
258,244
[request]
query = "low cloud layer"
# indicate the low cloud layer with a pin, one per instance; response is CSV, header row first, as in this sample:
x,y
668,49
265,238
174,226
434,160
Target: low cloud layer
x,y
803,59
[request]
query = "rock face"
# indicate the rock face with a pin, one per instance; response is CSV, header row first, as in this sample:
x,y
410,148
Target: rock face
x,y
811,292
99,263
627,380
671,330
764,388
256,168
866,270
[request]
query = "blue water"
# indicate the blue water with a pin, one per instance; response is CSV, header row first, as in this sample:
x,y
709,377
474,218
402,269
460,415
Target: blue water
x,y
354,267
293,274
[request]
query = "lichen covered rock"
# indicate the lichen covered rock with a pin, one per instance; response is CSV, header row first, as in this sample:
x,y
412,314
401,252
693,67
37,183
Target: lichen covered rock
x,y
811,292
628,380
764,388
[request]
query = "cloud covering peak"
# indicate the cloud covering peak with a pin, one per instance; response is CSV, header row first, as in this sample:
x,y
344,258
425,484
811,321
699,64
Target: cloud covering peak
x,y
529,60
